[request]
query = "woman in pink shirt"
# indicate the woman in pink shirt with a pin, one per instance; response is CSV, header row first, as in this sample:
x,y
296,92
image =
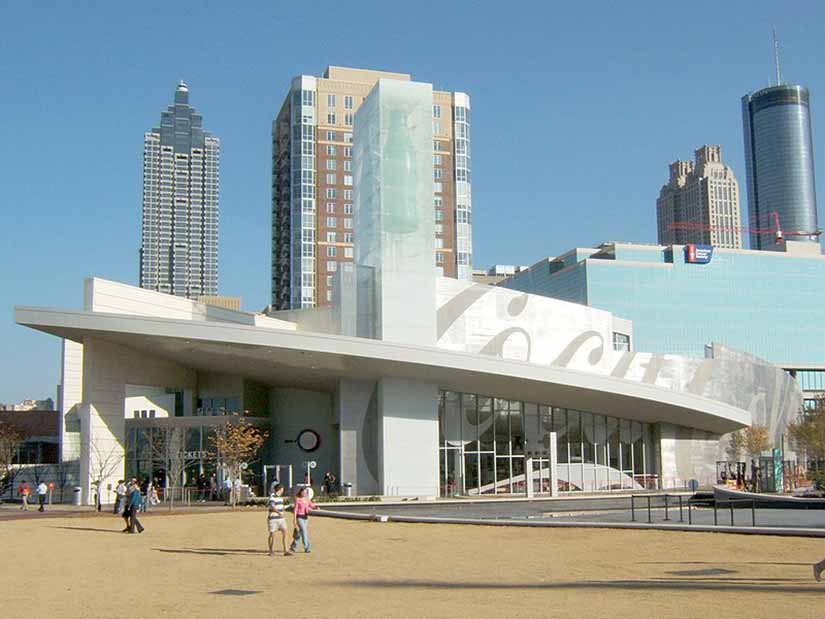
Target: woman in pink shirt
x,y
302,506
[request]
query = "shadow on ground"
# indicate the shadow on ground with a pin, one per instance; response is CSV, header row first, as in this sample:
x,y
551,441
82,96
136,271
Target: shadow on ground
x,y
217,552
773,585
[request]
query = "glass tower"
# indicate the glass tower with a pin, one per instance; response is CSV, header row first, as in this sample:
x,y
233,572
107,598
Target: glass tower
x,y
780,164
179,246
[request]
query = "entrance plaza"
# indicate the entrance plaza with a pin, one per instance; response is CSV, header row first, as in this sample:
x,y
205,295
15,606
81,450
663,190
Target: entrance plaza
x,y
216,564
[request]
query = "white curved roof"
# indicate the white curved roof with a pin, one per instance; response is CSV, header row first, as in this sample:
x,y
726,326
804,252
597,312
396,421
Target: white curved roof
x,y
317,361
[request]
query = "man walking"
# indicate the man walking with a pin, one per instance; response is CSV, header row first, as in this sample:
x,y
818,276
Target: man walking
x,y
134,506
275,519
42,489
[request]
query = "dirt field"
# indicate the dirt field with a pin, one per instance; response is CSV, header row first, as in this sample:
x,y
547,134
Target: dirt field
x,y
215,565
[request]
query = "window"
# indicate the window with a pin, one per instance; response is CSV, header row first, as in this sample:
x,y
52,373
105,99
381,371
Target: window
x,y
329,281
436,126
439,228
332,266
621,342
331,237
347,208
347,165
330,100
331,164
348,138
330,179
436,111
348,223
332,222
347,194
331,136
436,145
330,207
330,150
437,159
331,253
439,257
439,215
438,173
348,179
331,193
348,119
308,97
439,201
347,237
437,188
348,252
347,151
347,102
439,243
331,118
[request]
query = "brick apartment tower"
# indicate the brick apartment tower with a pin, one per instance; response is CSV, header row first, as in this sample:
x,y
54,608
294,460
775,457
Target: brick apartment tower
x,y
312,192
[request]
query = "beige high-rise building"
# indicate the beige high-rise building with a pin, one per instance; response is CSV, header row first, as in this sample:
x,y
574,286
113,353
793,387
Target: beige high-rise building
x,y
700,203
312,187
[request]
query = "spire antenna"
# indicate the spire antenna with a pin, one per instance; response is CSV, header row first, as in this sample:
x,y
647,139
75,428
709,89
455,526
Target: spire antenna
x,y
776,59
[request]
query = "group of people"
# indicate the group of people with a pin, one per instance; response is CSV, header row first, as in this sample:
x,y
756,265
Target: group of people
x,y
130,501
24,491
276,519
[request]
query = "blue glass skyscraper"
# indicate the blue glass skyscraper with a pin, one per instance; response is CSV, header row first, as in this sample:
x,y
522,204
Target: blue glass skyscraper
x,y
780,163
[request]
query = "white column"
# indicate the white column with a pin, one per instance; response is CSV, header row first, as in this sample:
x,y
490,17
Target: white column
x,y
408,438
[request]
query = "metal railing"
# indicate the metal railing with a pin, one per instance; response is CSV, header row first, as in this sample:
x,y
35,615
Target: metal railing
x,y
667,498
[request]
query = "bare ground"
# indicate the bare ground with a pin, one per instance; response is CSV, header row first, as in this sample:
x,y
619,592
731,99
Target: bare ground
x,y
215,565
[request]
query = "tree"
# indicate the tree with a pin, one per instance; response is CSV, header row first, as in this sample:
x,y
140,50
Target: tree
x,y
755,440
61,474
10,440
236,443
736,445
807,433
169,450
104,461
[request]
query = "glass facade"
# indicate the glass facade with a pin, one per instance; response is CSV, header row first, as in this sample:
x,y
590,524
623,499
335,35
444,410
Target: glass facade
x,y
779,162
762,303
485,444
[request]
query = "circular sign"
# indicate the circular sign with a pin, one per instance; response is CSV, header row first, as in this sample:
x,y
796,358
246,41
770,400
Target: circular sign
x,y
312,464
308,440
244,466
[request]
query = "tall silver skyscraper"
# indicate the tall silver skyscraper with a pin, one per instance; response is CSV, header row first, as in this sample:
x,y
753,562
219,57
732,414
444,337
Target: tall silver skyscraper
x,y
780,163
179,248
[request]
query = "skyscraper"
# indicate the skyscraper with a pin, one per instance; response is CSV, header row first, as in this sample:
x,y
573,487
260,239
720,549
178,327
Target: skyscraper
x,y
312,183
179,247
700,203
780,163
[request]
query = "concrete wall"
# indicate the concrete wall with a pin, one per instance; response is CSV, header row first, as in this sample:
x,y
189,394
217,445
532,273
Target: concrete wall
x,y
107,369
408,438
295,410
356,409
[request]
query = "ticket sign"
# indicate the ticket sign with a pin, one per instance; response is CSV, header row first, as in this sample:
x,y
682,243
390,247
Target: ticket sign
x,y
698,254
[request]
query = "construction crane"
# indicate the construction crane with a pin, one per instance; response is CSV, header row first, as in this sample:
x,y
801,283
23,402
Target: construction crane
x,y
775,229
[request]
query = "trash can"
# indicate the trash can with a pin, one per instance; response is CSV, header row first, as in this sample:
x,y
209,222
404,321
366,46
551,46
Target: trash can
x,y
76,495
347,488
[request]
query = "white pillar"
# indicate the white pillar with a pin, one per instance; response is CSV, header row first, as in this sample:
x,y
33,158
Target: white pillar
x,y
554,465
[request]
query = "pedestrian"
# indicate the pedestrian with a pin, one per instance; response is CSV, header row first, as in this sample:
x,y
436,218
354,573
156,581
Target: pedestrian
x,y
145,492
42,489
120,496
213,487
24,491
202,486
301,512
275,519
326,485
135,499
227,490
127,508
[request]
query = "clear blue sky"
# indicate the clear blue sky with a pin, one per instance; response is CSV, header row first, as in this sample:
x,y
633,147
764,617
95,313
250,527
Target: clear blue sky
x,y
577,110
